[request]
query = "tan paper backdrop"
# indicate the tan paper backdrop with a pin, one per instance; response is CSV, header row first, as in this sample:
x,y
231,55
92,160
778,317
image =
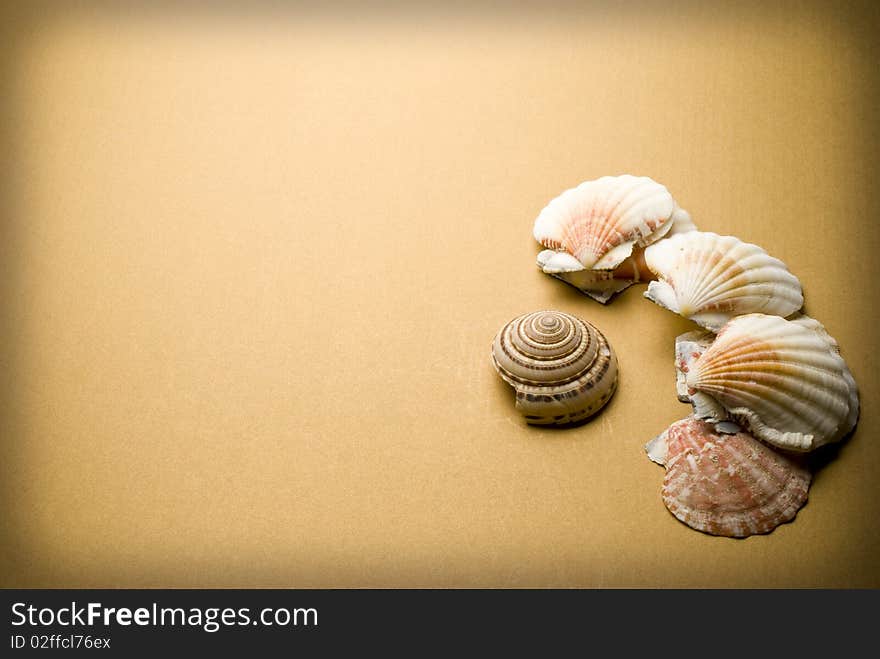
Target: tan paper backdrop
x,y
252,262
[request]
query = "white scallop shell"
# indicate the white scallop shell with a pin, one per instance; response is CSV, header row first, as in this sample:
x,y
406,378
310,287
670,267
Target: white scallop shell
x,y
727,484
710,279
784,380
591,231
688,347
562,368
600,285
681,223
817,327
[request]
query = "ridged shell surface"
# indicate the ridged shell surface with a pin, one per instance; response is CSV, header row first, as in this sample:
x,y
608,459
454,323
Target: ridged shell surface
x,y
728,485
688,347
785,380
600,221
562,368
815,326
710,279
600,285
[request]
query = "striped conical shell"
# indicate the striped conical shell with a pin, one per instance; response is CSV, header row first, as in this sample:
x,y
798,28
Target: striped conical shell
x,y
600,221
783,379
729,485
710,279
562,368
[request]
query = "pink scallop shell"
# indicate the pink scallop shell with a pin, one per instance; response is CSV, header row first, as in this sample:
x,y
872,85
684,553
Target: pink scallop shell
x,y
728,484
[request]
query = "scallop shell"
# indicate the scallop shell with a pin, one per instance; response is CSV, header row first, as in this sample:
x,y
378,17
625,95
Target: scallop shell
x,y
562,368
688,347
783,379
710,279
591,232
729,485
815,326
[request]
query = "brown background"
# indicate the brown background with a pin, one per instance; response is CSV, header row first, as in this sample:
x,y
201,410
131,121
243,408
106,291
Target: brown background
x,y
252,263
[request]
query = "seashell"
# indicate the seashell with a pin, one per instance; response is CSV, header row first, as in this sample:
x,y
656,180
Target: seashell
x,y
783,379
595,232
688,347
599,222
600,285
817,327
710,279
681,223
730,485
562,368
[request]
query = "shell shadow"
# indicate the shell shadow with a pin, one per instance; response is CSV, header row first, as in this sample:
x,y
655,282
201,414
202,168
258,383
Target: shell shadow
x,y
821,457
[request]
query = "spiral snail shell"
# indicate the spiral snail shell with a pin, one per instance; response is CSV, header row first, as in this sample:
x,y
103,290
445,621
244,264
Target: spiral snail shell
x,y
562,368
